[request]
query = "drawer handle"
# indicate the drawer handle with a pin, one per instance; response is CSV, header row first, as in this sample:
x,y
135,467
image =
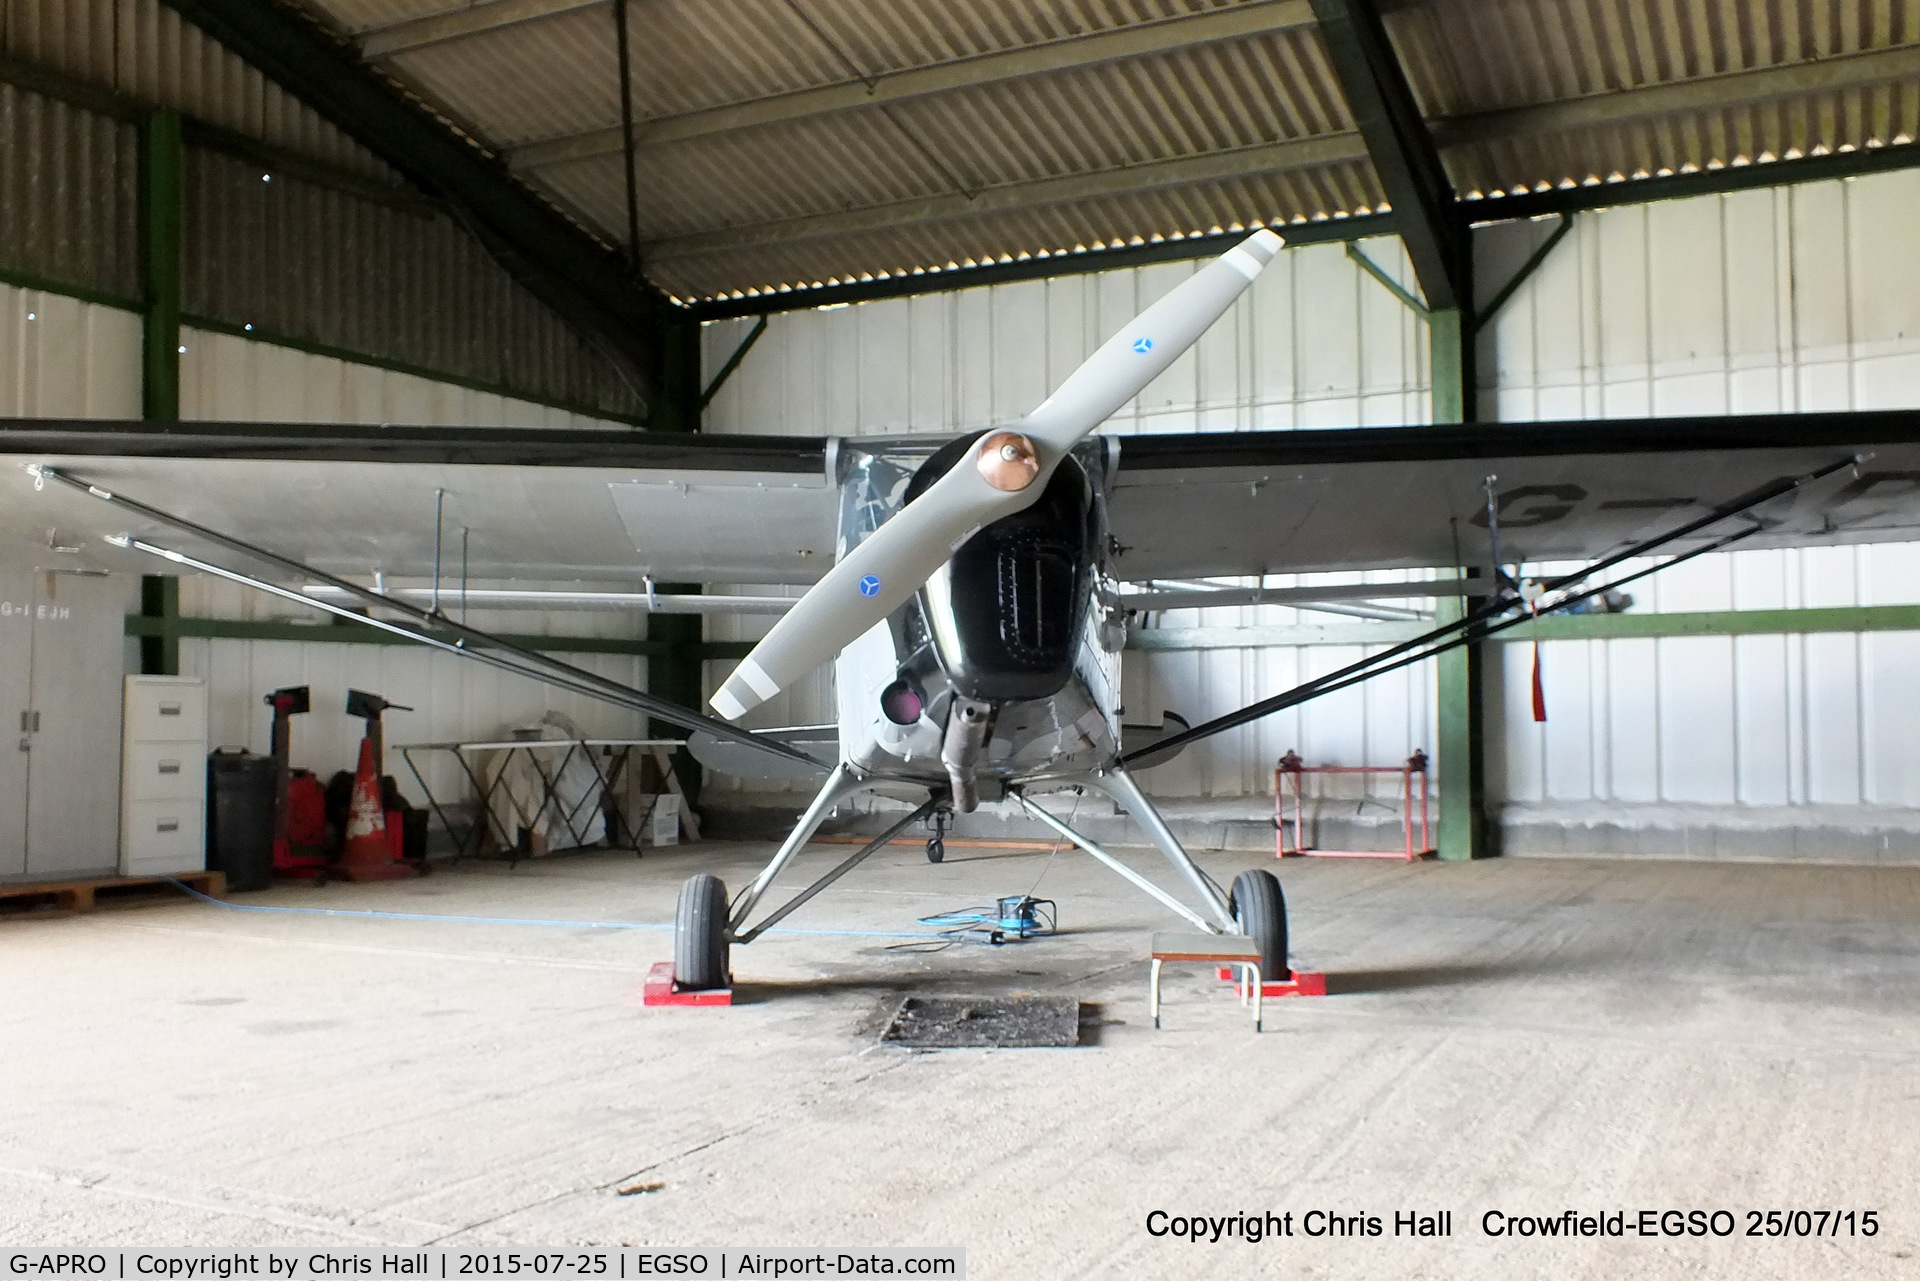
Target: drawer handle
x,y
169,767
169,709
167,825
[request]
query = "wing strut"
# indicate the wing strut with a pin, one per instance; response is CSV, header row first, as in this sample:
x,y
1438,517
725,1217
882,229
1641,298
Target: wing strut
x,y
1479,623
485,647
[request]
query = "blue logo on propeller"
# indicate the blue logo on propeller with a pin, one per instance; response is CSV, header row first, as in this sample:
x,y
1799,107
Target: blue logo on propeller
x,y
870,585
1143,345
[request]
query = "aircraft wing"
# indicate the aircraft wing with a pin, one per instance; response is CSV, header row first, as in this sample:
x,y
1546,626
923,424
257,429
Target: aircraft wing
x,y
1405,497
619,505
562,505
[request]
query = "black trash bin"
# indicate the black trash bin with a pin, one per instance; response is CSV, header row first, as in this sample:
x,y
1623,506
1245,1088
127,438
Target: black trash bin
x,y
240,817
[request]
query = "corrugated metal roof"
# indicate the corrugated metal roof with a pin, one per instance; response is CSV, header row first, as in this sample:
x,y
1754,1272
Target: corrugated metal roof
x,y
810,164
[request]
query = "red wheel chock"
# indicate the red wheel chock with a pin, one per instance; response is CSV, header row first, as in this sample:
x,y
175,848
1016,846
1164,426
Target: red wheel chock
x,y
660,989
1303,983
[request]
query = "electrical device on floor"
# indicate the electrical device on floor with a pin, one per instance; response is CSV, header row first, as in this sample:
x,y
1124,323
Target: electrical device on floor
x,y
1018,916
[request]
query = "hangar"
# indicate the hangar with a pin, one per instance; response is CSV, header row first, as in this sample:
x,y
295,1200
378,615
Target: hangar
x,y
981,462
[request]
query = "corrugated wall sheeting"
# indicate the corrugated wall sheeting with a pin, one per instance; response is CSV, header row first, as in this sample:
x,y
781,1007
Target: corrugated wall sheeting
x,y
232,379
1803,298
145,51
1796,299
1791,299
395,280
68,181
63,358
1817,720
1315,342
305,262
453,698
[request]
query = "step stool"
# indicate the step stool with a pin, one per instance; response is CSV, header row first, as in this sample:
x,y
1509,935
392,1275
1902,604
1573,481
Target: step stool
x,y
1209,949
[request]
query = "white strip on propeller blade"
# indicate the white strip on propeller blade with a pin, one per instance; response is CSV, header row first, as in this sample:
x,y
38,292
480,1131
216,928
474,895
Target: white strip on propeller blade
x,y
880,574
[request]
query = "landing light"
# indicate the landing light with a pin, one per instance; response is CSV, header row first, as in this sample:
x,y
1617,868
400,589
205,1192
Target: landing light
x,y
901,703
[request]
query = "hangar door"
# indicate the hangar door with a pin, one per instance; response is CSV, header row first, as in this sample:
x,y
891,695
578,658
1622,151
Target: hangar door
x,y
61,660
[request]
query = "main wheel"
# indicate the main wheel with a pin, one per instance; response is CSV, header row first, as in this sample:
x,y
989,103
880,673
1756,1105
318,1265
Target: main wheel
x,y
936,850
1261,910
700,934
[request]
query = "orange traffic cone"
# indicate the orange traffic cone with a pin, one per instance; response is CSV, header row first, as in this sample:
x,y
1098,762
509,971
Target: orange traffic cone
x,y
367,855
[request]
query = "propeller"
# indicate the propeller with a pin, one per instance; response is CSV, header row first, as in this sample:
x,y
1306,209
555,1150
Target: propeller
x,y
1005,473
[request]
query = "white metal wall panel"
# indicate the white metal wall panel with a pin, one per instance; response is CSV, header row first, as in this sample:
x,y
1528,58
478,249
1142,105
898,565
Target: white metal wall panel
x,y
63,358
453,698
1765,720
232,379
1315,342
1802,298
226,378
1794,299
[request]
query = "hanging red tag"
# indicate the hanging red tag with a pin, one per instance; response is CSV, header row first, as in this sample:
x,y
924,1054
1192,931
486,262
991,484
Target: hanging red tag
x,y
1539,688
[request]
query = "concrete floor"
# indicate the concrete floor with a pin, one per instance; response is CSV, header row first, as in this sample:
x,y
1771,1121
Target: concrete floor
x,y
1523,1035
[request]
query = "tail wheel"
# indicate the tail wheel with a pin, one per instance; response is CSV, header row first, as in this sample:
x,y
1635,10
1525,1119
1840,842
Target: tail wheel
x,y
1261,911
936,850
700,935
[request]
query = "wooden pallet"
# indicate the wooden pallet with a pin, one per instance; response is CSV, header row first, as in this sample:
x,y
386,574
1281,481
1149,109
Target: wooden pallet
x,y
59,898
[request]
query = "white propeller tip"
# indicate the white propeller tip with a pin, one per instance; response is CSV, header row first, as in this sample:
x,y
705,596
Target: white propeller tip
x,y
1251,255
746,689
729,707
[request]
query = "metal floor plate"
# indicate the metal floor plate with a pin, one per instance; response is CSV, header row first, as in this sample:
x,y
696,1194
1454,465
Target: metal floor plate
x,y
985,1022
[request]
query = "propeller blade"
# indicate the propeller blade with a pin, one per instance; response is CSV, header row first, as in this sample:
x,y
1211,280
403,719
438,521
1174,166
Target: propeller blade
x,y
1005,473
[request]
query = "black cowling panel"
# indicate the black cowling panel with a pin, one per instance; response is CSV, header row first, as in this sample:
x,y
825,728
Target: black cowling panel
x,y
1018,590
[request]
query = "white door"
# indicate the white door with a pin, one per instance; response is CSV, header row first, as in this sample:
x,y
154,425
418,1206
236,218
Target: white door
x,y
16,716
73,773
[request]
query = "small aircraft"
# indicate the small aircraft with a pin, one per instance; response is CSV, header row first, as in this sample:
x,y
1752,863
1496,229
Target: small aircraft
x,y
981,588
971,656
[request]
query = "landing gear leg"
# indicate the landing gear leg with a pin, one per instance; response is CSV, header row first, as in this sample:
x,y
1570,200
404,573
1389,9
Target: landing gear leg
x,y
936,844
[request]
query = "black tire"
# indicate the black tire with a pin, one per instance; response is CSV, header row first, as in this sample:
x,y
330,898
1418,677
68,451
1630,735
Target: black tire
x,y
936,850
1261,910
700,935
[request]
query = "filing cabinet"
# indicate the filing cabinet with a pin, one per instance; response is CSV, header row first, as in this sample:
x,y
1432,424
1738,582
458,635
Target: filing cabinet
x,y
163,776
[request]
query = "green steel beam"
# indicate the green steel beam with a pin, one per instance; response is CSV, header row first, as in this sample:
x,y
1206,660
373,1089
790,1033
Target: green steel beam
x,y
1858,163
1392,286
160,156
676,667
67,289
1556,627
1040,267
1460,731
1527,268
1401,147
733,362
1186,638
159,620
1729,622
1450,364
